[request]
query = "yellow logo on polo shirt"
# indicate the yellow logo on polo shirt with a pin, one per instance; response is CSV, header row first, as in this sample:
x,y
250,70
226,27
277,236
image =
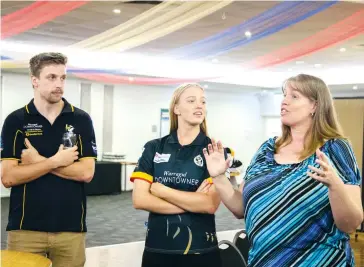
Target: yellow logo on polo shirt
x,y
69,128
32,129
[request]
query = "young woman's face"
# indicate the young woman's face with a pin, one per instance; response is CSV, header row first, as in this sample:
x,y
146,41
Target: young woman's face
x,y
191,106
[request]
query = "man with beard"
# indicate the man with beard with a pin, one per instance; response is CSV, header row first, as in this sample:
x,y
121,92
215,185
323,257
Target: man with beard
x,y
47,213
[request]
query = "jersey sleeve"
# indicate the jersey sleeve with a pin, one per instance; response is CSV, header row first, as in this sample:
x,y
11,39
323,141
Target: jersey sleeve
x,y
145,166
12,138
258,157
87,139
343,159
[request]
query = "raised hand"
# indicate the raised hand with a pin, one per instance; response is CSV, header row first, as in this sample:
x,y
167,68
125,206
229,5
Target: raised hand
x,y
326,174
215,159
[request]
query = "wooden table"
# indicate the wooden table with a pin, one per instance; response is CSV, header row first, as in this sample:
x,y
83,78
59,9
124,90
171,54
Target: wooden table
x,y
23,259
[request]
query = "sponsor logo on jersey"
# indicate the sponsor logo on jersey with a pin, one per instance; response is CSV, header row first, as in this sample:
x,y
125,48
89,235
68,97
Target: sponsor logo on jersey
x,y
159,158
32,129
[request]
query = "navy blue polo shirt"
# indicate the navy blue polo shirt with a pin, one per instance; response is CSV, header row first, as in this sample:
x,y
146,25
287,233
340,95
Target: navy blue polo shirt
x,y
183,168
49,203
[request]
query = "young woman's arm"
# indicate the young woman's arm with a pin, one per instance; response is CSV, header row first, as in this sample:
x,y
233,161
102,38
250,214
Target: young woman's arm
x,y
197,202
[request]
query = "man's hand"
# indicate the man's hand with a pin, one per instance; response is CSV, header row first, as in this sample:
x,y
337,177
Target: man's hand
x,y
65,157
30,155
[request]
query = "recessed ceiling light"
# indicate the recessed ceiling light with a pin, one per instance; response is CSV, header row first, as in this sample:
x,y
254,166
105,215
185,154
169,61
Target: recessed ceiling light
x,y
248,34
206,86
355,87
131,79
215,60
342,49
299,62
318,65
116,11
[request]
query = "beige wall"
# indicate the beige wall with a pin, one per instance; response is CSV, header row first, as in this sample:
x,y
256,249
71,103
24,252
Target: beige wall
x,y
351,117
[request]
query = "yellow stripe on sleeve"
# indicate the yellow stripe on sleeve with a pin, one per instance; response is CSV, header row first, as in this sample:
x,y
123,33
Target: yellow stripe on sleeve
x,y
142,176
87,158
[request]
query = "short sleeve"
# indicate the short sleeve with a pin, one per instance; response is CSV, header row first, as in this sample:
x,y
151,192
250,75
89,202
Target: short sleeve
x,y
343,159
259,156
12,138
145,166
87,139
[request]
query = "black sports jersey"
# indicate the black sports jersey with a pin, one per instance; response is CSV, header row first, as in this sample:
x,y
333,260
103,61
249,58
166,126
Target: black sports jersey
x,y
183,168
49,203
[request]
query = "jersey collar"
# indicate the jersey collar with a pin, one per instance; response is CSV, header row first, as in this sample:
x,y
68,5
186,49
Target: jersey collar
x,y
199,140
32,110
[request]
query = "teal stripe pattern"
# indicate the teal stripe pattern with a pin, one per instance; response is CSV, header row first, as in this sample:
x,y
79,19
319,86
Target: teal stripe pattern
x,y
288,217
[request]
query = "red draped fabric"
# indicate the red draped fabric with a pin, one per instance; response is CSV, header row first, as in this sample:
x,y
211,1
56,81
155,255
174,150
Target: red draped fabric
x,y
34,15
336,33
118,79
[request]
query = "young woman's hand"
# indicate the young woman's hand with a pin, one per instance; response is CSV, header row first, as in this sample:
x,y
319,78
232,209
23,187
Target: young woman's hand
x,y
215,159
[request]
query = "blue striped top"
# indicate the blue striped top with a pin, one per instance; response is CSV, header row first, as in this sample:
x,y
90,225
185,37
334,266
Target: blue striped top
x,y
288,217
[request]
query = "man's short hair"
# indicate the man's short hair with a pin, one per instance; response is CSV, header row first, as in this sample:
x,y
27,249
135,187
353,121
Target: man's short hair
x,y
38,62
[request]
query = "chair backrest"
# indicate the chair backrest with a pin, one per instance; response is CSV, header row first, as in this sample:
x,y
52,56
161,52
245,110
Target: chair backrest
x,y
11,258
242,243
230,255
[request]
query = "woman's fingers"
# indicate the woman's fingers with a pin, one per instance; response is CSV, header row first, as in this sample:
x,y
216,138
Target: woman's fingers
x,y
220,147
214,145
210,149
316,170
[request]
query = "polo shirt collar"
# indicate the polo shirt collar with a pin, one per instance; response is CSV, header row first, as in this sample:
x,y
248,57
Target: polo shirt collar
x,y
32,110
199,140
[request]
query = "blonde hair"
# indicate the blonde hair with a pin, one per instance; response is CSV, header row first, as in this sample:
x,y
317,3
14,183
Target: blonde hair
x,y
175,99
325,125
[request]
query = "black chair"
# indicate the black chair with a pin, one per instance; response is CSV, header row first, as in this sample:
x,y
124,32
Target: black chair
x,y
230,255
242,243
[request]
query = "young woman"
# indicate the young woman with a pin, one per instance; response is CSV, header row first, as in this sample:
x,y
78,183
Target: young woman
x,y
301,196
171,181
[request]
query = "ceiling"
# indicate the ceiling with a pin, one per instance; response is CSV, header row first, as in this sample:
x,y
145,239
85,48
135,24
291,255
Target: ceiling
x,y
96,17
